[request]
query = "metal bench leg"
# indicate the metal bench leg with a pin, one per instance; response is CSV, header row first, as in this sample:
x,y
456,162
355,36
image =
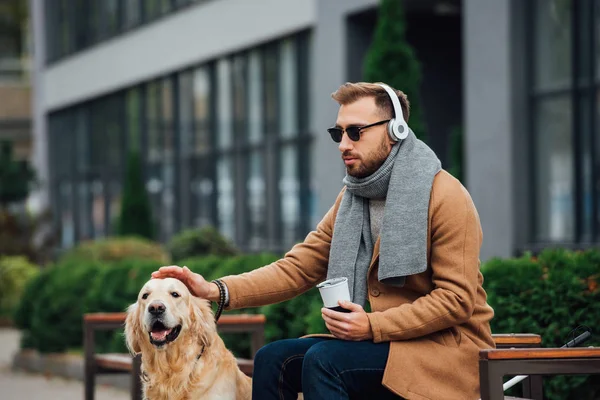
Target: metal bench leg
x,y
90,366
90,381
136,378
533,387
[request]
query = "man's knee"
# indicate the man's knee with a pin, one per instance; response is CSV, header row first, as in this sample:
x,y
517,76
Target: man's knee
x,y
320,357
274,353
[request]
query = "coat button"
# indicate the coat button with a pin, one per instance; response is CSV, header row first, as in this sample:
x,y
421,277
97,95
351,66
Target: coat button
x,y
375,292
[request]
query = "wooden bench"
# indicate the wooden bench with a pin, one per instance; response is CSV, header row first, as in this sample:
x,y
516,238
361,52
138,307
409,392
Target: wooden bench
x,y
124,363
494,364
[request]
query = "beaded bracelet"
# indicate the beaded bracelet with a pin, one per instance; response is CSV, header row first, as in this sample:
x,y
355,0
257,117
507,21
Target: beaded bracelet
x,y
221,304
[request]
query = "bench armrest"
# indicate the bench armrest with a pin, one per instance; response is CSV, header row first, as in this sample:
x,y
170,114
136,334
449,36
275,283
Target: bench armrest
x,y
507,340
539,354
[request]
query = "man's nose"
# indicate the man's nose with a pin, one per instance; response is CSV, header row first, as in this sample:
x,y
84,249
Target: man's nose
x,y
346,143
156,308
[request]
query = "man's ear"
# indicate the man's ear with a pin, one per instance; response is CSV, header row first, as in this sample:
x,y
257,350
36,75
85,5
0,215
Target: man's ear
x,y
133,329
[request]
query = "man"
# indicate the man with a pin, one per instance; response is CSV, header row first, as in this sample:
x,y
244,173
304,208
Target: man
x,y
407,236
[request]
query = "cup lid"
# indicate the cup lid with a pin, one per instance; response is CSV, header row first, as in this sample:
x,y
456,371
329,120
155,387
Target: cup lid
x,y
331,282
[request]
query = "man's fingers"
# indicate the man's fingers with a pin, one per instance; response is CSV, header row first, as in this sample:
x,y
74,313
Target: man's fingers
x,y
167,271
336,315
339,325
348,305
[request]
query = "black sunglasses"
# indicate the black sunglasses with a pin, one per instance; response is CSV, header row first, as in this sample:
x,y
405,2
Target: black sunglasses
x,y
352,131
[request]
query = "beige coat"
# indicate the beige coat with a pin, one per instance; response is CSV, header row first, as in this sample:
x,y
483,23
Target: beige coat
x,y
436,323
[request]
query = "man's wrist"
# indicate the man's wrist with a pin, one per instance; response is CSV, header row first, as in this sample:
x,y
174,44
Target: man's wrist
x,y
214,294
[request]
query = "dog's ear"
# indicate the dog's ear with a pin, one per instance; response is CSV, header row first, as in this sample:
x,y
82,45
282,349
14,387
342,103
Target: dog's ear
x,y
133,329
202,320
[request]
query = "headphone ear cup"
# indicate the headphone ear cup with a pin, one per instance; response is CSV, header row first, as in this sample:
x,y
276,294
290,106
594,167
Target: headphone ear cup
x,y
400,130
390,129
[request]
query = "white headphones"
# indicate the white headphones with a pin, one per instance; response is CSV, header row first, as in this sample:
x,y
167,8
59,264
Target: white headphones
x,y
397,127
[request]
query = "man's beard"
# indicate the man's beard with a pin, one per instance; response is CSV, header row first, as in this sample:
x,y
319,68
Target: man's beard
x,y
374,162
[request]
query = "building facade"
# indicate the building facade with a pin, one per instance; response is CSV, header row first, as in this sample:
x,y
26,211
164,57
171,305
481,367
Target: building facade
x,y
228,102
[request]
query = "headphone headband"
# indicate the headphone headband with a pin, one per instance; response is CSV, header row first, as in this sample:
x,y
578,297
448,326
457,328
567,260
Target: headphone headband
x,y
397,128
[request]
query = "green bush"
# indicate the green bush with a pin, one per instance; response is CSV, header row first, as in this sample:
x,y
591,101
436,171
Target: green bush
x,y
116,287
549,295
15,272
200,243
50,313
115,249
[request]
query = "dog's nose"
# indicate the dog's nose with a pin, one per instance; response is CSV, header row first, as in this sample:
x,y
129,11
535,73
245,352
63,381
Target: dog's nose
x,y
156,308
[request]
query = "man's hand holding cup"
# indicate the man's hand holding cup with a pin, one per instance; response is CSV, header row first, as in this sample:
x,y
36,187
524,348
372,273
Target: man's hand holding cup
x,y
344,319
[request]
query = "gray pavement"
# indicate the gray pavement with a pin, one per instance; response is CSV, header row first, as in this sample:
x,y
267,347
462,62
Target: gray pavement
x,y
25,386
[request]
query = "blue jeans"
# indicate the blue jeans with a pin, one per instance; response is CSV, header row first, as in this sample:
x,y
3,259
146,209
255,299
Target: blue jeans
x,y
328,369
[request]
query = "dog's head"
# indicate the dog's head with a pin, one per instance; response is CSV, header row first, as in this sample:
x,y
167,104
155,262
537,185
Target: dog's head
x,y
165,313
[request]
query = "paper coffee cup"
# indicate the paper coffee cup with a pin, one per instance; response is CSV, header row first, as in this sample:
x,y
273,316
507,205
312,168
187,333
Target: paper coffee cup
x,y
333,290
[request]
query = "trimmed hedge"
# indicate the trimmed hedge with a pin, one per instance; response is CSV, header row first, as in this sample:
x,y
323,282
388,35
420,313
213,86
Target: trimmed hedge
x,y
115,249
201,242
15,272
550,295
50,313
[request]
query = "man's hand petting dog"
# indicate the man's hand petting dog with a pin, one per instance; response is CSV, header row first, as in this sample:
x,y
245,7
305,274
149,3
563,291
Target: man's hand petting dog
x,y
196,284
354,325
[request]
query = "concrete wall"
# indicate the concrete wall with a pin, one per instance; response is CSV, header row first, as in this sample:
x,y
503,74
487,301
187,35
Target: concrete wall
x,y
38,115
489,122
188,37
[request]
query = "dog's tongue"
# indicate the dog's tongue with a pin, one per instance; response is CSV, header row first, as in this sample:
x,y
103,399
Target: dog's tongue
x,y
160,335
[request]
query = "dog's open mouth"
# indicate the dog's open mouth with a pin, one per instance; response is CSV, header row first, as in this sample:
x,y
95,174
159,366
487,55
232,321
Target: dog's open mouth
x,y
160,334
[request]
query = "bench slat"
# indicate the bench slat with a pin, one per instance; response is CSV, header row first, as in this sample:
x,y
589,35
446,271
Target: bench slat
x,y
124,362
234,319
537,353
121,362
516,338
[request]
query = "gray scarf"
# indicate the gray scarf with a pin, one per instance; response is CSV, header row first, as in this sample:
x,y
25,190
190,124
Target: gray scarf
x,y
405,180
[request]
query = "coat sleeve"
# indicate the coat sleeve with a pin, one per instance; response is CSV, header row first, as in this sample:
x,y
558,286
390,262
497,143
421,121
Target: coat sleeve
x,y
299,270
454,258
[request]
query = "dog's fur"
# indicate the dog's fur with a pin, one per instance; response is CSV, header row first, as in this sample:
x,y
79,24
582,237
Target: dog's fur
x,y
172,370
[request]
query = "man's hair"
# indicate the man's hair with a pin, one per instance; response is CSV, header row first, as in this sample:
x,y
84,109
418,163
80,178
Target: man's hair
x,y
350,92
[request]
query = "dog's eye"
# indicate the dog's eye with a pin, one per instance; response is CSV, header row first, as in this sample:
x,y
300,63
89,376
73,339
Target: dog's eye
x,y
175,294
145,296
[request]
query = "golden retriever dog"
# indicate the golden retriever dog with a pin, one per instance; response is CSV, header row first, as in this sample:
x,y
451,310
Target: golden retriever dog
x,y
183,357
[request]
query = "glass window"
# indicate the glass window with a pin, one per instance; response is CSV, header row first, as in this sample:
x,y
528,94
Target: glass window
x,y
132,13
256,202
203,189
554,166
85,210
255,120
226,197
271,84
239,80
153,121
111,14
113,136
202,110
289,192
168,223
98,208
552,44
288,126
133,118
202,182
67,220
224,108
